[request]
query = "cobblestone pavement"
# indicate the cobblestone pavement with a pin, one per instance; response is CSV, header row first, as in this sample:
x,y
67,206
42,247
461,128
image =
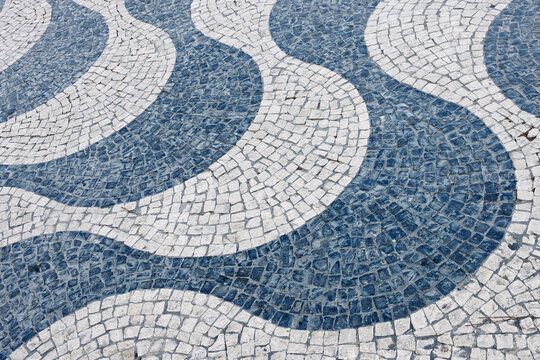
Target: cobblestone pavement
x,y
270,179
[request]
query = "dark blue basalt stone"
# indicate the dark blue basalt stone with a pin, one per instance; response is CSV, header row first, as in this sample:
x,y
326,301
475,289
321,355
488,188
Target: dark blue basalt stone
x,y
512,53
74,39
209,101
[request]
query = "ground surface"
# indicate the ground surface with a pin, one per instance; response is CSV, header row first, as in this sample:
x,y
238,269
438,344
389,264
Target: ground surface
x,y
284,179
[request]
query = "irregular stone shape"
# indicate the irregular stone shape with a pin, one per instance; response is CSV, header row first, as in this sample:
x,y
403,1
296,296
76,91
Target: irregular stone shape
x,y
438,47
301,150
435,188
461,180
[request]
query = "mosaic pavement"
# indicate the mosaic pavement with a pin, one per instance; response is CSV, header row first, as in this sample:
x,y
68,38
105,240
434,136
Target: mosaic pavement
x,y
273,179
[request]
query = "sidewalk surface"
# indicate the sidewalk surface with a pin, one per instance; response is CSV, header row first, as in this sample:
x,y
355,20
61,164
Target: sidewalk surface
x,y
270,179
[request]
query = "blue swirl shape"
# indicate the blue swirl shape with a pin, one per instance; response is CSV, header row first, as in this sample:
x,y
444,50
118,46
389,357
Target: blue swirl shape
x,y
431,201
434,194
72,42
212,96
512,53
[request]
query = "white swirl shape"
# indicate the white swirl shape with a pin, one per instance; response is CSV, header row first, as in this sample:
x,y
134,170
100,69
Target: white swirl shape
x,y
437,47
136,63
302,149
22,23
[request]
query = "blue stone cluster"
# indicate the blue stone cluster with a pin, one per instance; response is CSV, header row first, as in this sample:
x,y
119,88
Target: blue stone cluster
x,y
512,53
74,39
212,96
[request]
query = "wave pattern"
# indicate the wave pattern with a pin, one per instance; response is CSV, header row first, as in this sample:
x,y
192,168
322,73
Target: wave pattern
x,y
432,200
74,39
22,23
436,186
211,97
301,150
453,69
126,78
